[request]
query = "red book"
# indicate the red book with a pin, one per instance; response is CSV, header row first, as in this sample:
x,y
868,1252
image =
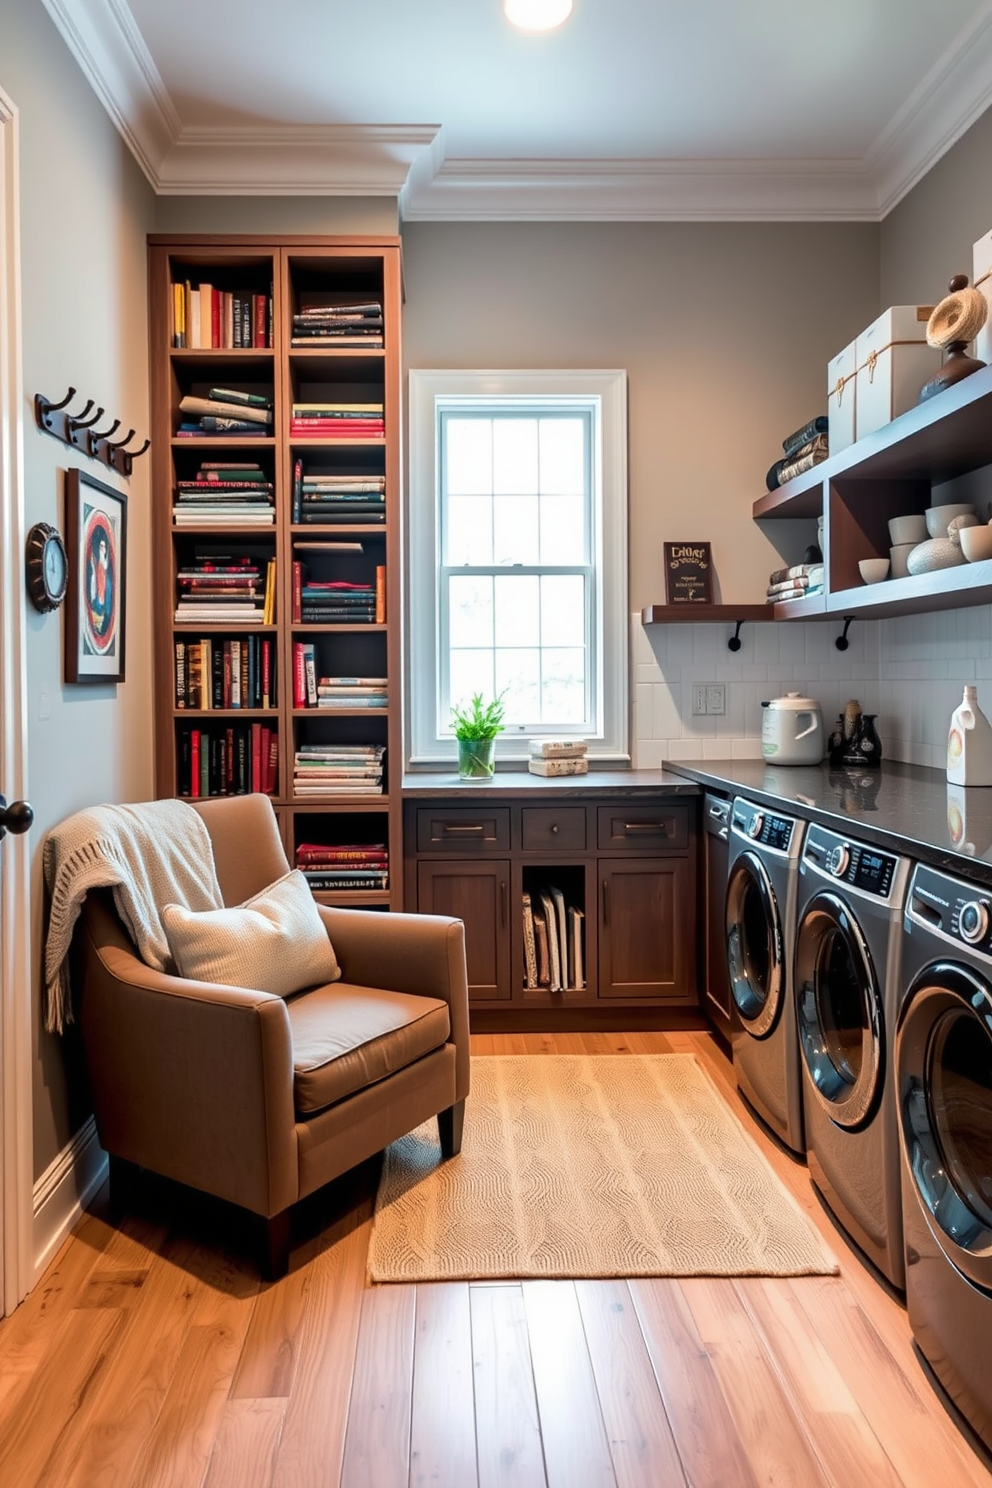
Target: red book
x,y
332,426
266,674
225,697
194,763
297,593
299,676
264,739
260,320
216,328
256,756
229,763
273,763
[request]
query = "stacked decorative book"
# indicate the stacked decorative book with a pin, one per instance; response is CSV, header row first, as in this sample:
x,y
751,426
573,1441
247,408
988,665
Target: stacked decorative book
x,y
803,448
226,411
329,497
558,757
236,760
356,323
352,692
337,602
337,421
797,582
338,769
225,493
553,941
225,587
215,673
205,316
329,868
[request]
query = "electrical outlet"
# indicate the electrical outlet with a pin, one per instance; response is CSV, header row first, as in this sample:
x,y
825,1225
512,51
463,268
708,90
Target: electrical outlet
x,y
698,699
716,698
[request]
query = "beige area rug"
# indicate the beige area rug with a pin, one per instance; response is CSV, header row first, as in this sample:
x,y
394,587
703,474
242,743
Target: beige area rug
x,y
589,1166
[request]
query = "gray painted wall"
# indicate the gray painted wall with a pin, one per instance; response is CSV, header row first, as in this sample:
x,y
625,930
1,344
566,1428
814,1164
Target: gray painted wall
x,y
275,214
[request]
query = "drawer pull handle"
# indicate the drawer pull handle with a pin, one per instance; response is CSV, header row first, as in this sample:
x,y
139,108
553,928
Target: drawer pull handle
x,y
502,902
554,828
606,903
450,829
664,827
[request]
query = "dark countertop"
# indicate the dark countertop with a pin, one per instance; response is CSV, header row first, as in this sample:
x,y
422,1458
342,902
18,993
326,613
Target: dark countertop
x,y
906,808
521,783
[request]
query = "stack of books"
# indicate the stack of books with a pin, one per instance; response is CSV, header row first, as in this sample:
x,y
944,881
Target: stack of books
x,y
352,865
225,493
204,316
213,673
224,587
338,770
332,693
225,411
803,448
337,602
327,497
797,582
356,324
558,757
337,421
553,942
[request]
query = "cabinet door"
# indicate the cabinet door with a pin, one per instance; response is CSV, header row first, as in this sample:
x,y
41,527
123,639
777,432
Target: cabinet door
x,y
646,928
478,894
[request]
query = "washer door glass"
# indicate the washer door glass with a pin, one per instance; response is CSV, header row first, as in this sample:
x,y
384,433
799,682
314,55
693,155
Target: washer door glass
x,y
839,1011
944,1068
754,945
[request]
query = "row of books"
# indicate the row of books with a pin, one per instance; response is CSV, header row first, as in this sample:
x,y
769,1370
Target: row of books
x,y
225,493
234,761
552,757
338,769
225,587
795,582
225,411
329,868
351,323
237,673
330,497
803,448
330,693
337,602
337,421
554,954
204,316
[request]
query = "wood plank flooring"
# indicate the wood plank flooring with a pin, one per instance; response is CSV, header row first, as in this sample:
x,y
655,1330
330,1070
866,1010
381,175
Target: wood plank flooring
x,y
151,1354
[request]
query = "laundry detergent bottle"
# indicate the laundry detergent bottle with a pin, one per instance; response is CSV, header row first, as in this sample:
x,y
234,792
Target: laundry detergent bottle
x,y
969,744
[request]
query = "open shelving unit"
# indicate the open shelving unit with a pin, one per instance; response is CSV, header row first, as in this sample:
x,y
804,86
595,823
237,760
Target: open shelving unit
x,y
293,271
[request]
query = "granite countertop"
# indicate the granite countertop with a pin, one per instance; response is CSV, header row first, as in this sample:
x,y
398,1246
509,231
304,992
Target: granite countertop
x,y
906,808
521,782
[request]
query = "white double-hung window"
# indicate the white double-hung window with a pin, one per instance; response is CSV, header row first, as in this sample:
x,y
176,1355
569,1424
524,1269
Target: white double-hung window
x,y
518,521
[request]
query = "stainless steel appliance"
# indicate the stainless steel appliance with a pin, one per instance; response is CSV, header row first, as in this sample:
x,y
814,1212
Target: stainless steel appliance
x,y
760,928
716,839
848,940
944,1090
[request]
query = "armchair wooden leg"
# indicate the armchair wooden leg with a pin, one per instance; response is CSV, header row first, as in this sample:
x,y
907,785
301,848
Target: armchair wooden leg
x,y
276,1253
449,1126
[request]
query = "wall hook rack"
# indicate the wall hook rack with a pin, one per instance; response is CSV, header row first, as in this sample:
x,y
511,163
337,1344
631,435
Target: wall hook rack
x,y
842,642
79,431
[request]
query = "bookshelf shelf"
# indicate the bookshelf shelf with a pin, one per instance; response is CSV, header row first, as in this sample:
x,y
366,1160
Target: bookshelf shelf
x,y
296,275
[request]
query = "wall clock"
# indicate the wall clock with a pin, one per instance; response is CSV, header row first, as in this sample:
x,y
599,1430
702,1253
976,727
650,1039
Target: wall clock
x,y
46,567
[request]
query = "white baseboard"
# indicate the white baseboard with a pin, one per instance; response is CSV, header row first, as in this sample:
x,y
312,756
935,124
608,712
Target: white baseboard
x,y
62,1193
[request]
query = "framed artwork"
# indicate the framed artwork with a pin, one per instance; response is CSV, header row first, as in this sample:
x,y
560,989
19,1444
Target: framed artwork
x,y
95,611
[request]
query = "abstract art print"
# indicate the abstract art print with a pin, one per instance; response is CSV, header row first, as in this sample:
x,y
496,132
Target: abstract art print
x,y
96,539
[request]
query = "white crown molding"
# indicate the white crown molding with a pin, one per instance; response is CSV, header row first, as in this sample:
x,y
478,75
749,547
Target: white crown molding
x,y
408,161
954,93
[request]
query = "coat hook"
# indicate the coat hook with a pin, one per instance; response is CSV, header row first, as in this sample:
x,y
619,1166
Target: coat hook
x,y
106,433
115,443
82,422
842,642
734,644
133,454
54,407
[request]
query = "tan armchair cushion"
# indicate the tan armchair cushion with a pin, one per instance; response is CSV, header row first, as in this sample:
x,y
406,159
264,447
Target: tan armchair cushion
x,y
274,942
346,1037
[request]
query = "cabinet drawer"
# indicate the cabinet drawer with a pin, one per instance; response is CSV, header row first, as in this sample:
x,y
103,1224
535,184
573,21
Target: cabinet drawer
x,y
624,828
465,829
553,828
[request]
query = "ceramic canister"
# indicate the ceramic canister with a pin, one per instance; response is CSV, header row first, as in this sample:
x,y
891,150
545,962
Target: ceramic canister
x,y
792,730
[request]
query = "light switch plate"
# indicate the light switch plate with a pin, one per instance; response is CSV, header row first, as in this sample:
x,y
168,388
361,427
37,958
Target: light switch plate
x,y
716,698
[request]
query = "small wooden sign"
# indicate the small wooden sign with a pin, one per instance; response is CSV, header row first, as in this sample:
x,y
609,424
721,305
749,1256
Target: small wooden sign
x,y
688,573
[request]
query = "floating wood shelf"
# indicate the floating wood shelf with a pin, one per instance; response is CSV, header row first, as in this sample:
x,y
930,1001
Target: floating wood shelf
x,y
696,614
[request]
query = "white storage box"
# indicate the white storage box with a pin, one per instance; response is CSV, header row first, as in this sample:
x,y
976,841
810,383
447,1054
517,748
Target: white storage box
x,y
981,278
840,398
894,361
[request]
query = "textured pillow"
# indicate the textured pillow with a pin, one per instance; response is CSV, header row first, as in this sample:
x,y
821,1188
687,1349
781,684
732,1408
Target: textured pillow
x,y
274,942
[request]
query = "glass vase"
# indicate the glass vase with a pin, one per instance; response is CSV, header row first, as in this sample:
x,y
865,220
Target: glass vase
x,y
476,758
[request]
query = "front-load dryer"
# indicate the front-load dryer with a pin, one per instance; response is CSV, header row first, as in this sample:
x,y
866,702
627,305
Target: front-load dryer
x,y
848,940
944,1091
761,918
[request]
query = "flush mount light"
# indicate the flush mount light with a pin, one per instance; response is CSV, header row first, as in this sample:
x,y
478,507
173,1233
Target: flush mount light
x,y
537,15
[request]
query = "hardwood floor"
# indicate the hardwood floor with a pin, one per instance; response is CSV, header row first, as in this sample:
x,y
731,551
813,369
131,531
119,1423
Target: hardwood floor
x,y
151,1354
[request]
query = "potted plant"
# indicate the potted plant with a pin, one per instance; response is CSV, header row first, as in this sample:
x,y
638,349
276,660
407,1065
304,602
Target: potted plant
x,y
475,729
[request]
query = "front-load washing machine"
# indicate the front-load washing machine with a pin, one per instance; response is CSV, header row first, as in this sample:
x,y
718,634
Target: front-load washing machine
x,y
944,1091
761,918
848,939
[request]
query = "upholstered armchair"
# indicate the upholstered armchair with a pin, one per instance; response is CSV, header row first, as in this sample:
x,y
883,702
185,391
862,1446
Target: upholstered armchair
x,y
261,1099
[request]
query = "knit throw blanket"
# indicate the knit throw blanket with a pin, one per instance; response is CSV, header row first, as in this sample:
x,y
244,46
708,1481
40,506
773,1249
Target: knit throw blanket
x,y
152,854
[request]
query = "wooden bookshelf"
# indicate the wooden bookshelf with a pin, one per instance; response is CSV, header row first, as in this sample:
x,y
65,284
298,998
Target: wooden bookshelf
x,y
293,270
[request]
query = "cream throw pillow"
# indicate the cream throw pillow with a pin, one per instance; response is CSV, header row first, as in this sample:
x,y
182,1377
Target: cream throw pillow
x,y
275,942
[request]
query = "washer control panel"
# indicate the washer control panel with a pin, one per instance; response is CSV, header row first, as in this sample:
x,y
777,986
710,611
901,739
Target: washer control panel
x,y
959,911
765,827
855,863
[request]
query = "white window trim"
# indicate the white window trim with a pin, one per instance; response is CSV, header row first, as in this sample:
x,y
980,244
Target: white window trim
x,y
427,386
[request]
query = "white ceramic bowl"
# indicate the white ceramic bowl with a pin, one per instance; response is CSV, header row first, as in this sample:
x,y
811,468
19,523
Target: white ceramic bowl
x,y
874,570
938,516
897,558
908,530
976,543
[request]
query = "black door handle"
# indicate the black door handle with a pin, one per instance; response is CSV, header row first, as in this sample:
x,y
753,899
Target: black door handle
x,y
16,817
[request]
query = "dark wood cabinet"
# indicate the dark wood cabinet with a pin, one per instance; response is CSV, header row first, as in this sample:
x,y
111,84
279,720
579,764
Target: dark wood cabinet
x,y
616,873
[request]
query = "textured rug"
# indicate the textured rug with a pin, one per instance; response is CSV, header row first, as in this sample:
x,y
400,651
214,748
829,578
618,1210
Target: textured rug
x,y
589,1166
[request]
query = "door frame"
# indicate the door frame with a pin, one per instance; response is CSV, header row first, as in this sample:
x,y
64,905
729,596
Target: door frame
x,y
16,1058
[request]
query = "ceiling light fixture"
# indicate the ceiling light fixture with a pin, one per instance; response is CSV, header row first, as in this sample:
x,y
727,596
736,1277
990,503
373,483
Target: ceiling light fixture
x,y
537,15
